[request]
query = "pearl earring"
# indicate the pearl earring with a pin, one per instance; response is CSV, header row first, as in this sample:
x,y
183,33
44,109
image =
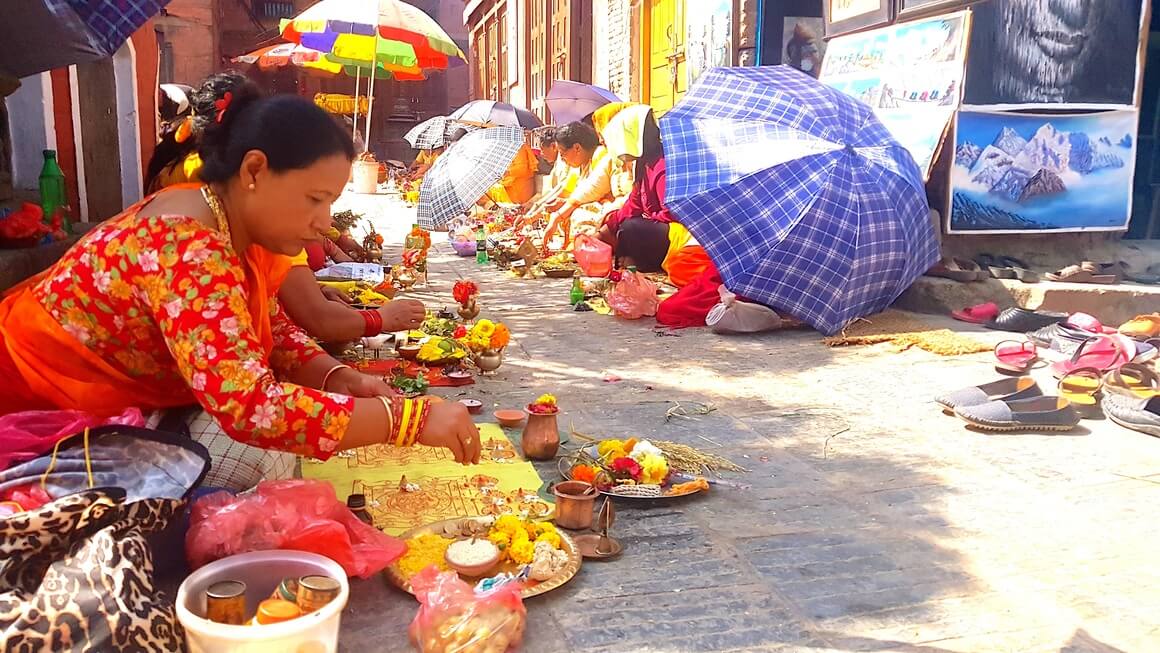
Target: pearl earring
x,y
251,187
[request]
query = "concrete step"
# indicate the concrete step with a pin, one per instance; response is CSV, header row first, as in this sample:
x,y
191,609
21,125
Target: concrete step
x,y
1112,304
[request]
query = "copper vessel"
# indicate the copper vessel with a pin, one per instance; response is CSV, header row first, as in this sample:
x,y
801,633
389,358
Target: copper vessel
x,y
574,503
469,311
541,437
489,360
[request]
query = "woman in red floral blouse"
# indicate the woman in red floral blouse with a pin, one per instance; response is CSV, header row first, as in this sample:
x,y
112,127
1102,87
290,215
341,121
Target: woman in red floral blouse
x,y
174,302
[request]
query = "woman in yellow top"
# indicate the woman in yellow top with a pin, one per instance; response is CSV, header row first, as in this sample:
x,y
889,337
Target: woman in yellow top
x,y
423,162
519,183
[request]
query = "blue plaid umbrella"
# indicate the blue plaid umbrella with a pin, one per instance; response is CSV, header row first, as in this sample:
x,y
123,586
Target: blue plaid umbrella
x,y
463,174
800,196
39,35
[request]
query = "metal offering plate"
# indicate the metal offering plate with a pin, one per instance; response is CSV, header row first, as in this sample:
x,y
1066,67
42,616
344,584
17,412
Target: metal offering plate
x,y
461,527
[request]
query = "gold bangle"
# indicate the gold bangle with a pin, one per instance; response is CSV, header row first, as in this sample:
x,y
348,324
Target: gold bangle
x,y
329,373
390,418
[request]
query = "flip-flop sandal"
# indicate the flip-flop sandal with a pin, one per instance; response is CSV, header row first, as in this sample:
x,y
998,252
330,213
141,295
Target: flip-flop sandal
x,y
1022,270
1150,276
978,314
1078,274
1015,356
957,269
994,269
1082,387
1134,379
1103,353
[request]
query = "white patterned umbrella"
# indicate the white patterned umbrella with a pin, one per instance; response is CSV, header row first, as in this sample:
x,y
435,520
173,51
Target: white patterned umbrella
x,y
434,132
464,173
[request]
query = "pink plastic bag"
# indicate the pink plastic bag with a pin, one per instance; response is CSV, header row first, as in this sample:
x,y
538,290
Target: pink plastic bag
x,y
634,296
594,256
28,434
300,515
453,618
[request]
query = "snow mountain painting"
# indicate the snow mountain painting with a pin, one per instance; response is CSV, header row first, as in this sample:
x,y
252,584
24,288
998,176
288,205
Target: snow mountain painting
x,y
1033,173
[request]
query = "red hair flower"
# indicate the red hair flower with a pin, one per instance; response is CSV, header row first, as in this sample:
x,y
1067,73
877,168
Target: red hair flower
x,y
223,104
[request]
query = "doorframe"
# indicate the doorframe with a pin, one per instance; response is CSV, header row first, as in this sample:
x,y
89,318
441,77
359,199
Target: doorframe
x,y
78,145
128,122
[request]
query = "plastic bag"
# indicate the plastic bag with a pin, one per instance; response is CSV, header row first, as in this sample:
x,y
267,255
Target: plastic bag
x,y
594,256
28,434
301,515
735,316
633,297
454,618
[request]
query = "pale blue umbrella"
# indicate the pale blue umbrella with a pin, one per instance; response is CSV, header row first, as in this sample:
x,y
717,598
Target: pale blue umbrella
x,y
573,101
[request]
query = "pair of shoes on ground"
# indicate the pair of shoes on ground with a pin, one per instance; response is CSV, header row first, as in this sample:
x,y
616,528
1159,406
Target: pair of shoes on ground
x,y
1014,319
1015,404
1130,396
1089,272
1006,267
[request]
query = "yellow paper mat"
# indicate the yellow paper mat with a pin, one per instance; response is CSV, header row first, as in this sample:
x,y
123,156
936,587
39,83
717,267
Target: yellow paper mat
x,y
501,483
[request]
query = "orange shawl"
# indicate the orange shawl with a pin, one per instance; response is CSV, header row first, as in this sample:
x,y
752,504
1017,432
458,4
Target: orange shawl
x,y
44,367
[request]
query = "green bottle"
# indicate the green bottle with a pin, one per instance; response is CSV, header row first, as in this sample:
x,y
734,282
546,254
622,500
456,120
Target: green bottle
x,y
577,293
481,248
52,192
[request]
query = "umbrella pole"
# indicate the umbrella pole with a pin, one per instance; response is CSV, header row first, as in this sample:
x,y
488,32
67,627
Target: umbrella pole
x,y
371,90
354,122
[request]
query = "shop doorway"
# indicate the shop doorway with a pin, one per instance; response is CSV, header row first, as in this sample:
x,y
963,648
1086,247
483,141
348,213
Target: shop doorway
x,y
666,80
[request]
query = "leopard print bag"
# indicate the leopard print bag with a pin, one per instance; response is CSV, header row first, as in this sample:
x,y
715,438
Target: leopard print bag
x,y
77,573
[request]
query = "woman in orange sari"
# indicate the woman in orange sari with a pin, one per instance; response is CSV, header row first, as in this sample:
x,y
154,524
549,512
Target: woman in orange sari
x,y
174,303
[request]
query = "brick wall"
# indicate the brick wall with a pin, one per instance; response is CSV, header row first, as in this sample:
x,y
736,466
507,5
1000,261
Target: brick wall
x,y
618,46
188,27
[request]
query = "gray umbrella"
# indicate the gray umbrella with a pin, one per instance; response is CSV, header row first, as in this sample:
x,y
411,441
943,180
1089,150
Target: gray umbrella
x,y
497,113
464,173
434,132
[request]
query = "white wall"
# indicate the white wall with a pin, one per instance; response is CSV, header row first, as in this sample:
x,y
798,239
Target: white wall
x,y
30,136
600,43
128,123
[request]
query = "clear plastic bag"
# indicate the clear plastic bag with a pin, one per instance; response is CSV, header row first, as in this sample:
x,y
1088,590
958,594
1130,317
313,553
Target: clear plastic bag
x,y
300,515
29,434
634,296
454,618
735,316
594,256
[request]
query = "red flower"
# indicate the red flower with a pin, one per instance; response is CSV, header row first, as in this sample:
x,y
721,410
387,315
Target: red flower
x,y
460,332
463,291
626,468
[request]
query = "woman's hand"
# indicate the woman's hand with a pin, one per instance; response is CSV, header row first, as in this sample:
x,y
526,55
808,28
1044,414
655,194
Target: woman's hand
x,y
402,315
449,426
335,295
356,384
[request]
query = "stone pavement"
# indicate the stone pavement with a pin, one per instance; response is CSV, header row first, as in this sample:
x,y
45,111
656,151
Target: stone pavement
x,y
872,521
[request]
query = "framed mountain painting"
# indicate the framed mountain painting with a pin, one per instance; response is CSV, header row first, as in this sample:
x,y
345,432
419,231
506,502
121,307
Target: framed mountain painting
x,y
1035,173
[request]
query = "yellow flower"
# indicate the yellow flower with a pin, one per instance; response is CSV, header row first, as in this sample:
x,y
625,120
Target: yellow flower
x,y
522,552
655,469
500,539
546,400
550,538
509,524
484,329
611,450
545,527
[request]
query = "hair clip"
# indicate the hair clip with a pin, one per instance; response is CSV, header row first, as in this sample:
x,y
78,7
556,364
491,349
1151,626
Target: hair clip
x,y
184,130
223,104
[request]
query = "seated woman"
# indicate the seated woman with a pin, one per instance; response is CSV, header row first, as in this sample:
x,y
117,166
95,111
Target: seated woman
x,y
580,148
643,232
423,163
174,303
519,182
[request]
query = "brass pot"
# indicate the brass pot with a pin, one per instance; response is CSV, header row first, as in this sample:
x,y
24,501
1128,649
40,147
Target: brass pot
x,y
489,360
574,503
469,311
541,439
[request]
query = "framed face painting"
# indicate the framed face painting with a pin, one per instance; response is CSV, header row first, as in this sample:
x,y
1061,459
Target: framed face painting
x,y
845,16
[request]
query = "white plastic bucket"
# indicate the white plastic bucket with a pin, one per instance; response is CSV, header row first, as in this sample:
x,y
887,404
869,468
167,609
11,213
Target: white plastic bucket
x,y
261,571
366,177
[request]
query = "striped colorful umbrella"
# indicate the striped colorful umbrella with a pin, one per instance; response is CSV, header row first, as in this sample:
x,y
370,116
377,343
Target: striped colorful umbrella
x,y
293,54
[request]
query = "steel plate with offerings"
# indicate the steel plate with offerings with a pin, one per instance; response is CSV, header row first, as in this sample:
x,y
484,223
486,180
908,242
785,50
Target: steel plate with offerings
x,y
535,554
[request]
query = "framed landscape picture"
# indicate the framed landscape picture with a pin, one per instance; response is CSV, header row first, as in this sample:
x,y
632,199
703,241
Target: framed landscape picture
x,y
845,16
1036,173
908,9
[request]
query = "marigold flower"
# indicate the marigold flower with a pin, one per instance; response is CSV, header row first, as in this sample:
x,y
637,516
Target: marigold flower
x,y
654,469
584,473
522,552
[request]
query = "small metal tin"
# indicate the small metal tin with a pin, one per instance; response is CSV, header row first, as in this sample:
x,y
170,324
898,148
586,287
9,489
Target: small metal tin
x,y
225,602
315,592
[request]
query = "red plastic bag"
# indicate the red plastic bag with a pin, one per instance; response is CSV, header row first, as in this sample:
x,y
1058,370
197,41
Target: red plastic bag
x,y
300,515
454,618
32,433
594,256
633,297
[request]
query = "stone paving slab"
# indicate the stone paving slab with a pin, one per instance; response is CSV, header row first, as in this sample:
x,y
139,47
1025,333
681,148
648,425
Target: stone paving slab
x,y
871,521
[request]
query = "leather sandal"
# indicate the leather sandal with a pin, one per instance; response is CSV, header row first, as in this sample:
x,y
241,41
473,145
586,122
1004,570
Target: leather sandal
x,y
957,269
1080,274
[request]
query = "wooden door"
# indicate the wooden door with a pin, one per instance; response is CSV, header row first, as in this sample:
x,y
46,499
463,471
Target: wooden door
x,y
666,53
492,60
479,54
101,150
561,13
538,67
